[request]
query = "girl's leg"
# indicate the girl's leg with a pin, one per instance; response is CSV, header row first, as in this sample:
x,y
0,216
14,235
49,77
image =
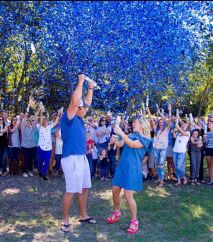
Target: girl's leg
x,y
198,160
161,165
157,157
4,160
210,167
16,161
47,156
201,166
40,159
11,160
26,159
117,203
175,158
182,167
116,198
58,162
30,165
193,166
131,203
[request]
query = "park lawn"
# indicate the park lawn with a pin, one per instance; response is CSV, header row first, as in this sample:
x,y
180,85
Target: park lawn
x,y
30,210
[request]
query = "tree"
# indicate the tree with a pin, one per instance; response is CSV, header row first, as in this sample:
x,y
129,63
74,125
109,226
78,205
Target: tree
x,y
137,48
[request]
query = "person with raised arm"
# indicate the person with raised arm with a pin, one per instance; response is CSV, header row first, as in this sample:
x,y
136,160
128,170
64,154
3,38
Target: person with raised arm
x,y
28,144
181,135
45,144
161,144
152,159
74,161
14,144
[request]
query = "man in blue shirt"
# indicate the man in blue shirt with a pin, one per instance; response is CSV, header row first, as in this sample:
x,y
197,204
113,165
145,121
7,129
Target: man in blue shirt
x,y
74,162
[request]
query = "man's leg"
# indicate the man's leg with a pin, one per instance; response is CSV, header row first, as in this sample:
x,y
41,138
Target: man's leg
x,y
82,201
67,203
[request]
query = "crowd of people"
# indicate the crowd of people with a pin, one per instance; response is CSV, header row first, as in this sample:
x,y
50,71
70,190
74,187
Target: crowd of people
x,y
126,149
32,145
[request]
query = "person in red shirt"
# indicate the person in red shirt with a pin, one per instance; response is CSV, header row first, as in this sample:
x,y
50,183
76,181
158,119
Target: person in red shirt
x,y
90,146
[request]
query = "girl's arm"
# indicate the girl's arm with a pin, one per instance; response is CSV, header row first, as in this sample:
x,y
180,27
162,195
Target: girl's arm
x,y
56,120
57,133
151,118
132,144
174,133
169,119
193,124
41,119
185,133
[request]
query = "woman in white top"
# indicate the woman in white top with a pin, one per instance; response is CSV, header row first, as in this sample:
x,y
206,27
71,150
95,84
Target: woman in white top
x,y
45,145
161,144
179,151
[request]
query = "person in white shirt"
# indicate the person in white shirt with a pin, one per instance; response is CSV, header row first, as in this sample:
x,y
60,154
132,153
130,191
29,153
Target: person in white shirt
x,y
179,151
92,126
45,145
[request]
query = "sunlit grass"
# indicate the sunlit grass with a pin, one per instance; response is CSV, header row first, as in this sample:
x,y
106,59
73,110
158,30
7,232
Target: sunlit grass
x,y
10,191
34,213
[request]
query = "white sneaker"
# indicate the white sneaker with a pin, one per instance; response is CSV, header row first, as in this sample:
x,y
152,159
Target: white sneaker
x,y
30,173
25,175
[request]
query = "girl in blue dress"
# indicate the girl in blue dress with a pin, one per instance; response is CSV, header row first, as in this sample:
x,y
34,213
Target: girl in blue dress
x,y
128,174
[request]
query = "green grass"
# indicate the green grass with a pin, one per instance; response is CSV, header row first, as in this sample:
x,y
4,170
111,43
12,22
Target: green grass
x,y
30,210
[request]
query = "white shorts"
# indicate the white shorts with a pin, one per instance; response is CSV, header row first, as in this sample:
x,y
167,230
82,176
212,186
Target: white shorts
x,y
76,172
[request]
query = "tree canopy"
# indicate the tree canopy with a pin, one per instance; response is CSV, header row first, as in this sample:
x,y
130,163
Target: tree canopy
x,y
130,48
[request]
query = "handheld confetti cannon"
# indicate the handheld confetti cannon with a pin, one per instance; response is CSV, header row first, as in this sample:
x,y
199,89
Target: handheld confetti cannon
x,y
91,81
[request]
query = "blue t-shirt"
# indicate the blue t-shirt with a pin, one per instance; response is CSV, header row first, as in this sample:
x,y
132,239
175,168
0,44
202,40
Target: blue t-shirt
x,y
73,134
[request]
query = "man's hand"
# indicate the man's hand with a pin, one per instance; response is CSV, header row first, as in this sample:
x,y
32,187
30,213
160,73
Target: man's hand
x,y
81,77
91,85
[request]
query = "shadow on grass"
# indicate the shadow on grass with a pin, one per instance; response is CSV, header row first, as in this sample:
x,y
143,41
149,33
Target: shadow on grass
x,y
31,210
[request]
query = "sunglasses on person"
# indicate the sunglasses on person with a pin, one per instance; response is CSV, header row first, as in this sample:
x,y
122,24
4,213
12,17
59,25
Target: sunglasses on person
x,y
15,119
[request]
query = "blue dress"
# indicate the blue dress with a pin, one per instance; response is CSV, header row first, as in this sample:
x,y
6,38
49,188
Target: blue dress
x,y
128,174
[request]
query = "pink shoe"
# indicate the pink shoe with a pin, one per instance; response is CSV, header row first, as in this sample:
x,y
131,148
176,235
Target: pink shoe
x,y
133,227
114,218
